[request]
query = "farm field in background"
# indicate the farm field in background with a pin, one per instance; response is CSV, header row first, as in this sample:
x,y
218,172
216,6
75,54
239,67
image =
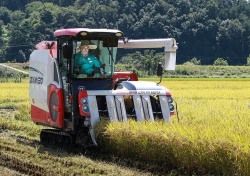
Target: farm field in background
x,y
211,137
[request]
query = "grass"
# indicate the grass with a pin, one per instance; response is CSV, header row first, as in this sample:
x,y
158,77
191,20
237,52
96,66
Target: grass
x,y
194,71
209,71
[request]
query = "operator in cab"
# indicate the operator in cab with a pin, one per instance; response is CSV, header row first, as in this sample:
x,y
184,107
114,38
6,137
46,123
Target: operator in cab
x,y
86,63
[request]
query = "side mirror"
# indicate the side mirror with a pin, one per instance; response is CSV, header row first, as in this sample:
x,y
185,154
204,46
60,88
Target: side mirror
x,y
67,51
159,69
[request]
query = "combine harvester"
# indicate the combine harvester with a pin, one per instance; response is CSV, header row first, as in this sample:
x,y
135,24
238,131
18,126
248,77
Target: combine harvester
x,y
72,103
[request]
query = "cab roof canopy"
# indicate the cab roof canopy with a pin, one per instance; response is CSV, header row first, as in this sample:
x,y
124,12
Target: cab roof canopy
x,y
86,32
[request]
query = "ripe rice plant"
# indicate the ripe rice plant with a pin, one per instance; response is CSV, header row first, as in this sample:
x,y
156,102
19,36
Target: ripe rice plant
x,y
212,136
12,93
14,100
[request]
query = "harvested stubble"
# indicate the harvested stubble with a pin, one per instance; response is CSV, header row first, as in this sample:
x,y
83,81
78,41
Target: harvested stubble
x,y
40,161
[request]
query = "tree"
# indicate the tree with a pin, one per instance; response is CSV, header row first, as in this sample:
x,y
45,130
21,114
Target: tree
x,y
1,29
21,56
1,41
5,15
204,29
248,60
230,40
14,4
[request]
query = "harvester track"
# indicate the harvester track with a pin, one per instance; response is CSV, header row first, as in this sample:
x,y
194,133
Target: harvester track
x,y
56,138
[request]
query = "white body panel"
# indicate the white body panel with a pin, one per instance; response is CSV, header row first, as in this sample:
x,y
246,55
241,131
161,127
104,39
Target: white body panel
x,y
41,75
121,110
169,45
94,110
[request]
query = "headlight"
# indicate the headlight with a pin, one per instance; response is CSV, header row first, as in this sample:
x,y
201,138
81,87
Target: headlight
x,y
170,100
84,33
171,107
87,122
84,100
118,34
85,108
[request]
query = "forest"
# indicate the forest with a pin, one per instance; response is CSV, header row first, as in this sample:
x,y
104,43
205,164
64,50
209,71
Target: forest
x,y
204,30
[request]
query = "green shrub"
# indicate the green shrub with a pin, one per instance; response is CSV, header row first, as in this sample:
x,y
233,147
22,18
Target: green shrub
x,y
188,63
220,62
193,61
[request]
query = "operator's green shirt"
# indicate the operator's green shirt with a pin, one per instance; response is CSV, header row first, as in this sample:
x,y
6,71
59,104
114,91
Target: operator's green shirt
x,y
86,63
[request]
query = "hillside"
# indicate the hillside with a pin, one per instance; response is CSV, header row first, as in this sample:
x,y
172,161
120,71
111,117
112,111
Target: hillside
x,y
205,30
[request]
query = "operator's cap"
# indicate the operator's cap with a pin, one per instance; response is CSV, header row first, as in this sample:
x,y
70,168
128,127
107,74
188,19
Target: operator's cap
x,y
86,42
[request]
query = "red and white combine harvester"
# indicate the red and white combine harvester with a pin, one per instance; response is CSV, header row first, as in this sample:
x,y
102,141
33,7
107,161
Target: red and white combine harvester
x,y
72,103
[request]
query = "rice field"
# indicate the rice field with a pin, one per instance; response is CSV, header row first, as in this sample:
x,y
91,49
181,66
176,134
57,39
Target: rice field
x,y
12,94
212,136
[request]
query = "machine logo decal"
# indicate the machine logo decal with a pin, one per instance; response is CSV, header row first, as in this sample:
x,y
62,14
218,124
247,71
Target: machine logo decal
x,y
36,79
35,70
80,88
141,92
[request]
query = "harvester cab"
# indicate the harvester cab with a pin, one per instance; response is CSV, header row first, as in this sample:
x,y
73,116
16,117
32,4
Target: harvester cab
x,y
71,97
